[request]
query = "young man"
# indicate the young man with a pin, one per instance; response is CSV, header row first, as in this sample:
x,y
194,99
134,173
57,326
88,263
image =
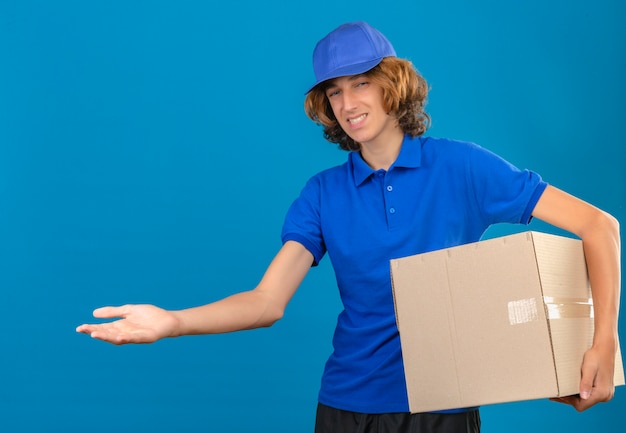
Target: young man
x,y
398,194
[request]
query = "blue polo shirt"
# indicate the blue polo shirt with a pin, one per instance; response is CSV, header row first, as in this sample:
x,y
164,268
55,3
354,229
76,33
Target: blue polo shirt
x,y
439,193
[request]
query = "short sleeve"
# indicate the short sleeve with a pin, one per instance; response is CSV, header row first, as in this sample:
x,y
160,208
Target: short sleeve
x,y
503,193
302,222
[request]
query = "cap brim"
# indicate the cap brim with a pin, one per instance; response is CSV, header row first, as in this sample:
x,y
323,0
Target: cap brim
x,y
358,68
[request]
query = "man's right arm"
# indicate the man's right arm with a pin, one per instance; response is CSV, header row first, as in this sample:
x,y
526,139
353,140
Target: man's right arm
x,y
260,307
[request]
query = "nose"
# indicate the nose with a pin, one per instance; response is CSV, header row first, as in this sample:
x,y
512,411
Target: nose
x,y
348,100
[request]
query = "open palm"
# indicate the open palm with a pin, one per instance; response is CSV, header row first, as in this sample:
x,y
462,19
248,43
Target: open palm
x,y
137,324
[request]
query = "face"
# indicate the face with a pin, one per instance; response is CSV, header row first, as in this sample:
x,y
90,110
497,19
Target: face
x,y
358,106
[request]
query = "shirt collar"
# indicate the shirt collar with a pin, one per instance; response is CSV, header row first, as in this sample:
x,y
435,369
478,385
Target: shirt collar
x,y
410,157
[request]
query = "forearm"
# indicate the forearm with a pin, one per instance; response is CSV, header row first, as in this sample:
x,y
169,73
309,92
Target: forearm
x,y
245,310
257,308
601,241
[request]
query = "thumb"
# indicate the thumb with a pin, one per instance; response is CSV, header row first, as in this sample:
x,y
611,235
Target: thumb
x,y
587,380
110,312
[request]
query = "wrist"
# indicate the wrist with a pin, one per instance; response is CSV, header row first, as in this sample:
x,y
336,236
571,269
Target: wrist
x,y
177,328
606,338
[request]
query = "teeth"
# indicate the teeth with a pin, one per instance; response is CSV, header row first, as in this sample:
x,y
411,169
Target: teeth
x,y
357,119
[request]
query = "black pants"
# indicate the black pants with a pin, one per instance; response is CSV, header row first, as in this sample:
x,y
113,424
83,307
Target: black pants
x,y
330,420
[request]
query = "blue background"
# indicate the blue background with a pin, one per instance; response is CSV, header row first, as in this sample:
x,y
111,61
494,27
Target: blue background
x,y
149,151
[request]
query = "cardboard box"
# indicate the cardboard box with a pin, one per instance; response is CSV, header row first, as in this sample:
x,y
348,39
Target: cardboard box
x,y
501,320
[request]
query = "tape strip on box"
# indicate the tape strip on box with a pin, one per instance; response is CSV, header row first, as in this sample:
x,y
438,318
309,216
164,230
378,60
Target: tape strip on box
x,y
568,308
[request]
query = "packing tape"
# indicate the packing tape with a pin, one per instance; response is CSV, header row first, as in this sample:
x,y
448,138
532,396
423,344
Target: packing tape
x,y
525,310
568,308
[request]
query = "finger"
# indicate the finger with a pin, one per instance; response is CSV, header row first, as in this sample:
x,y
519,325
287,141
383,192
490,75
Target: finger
x,y
106,332
558,400
568,400
119,337
88,329
108,337
572,400
84,329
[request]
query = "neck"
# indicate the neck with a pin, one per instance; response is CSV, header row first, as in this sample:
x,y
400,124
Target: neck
x,y
381,155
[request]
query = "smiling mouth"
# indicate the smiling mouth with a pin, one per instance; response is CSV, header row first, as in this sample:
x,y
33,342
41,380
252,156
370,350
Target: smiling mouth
x,y
356,120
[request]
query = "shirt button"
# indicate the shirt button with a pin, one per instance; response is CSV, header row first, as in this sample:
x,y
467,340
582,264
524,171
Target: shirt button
x,y
389,188
392,210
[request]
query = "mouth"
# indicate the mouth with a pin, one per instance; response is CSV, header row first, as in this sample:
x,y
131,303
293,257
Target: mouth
x,y
356,120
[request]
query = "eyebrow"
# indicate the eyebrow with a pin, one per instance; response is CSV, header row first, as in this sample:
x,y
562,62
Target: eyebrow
x,y
333,82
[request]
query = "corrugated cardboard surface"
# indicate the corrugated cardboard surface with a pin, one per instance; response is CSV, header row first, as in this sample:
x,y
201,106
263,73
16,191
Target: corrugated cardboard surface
x,y
501,320
565,286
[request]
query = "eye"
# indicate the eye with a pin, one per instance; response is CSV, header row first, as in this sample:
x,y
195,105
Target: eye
x,y
332,92
361,83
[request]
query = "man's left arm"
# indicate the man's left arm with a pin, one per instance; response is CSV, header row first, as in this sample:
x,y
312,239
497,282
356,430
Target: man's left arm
x,y
599,232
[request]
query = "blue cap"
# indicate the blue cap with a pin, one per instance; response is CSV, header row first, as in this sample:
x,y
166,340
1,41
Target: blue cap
x,y
350,49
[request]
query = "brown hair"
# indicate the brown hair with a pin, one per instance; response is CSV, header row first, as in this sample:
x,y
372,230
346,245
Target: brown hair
x,y
404,96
